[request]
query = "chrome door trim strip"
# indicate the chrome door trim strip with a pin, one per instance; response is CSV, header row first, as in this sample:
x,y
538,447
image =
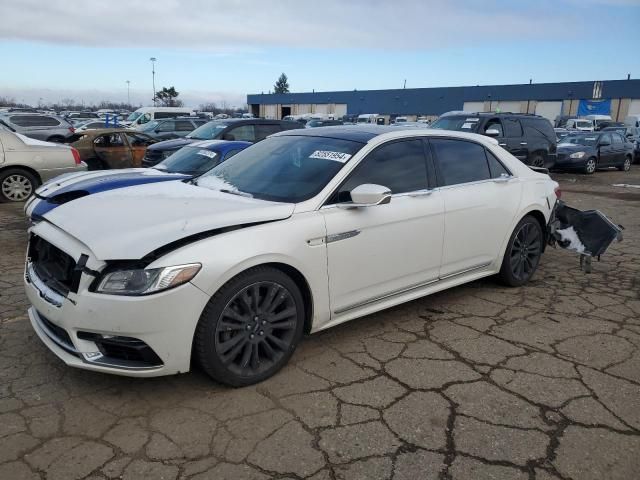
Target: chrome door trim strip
x,y
409,289
386,295
336,237
466,270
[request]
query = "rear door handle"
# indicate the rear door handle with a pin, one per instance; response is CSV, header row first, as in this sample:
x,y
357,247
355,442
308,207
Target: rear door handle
x,y
523,143
502,144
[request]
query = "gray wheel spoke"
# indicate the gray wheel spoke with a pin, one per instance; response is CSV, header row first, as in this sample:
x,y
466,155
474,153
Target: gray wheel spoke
x,y
246,355
229,344
284,314
230,356
283,325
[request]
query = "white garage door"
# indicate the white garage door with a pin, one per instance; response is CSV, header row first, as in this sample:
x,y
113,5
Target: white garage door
x,y
634,107
473,107
321,108
270,111
301,109
549,110
513,107
340,110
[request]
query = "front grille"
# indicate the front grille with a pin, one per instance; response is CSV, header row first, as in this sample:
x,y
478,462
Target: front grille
x,y
52,266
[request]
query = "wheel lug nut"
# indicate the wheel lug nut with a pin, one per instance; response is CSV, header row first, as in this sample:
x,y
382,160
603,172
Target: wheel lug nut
x,y
252,335
255,318
261,332
248,327
264,322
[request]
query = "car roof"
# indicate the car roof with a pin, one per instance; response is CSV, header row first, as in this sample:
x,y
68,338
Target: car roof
x,y
219,144
355,133
365,133
491,114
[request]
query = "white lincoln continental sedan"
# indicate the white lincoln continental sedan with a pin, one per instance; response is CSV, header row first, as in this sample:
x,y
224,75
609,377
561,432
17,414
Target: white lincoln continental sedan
x,y
297,233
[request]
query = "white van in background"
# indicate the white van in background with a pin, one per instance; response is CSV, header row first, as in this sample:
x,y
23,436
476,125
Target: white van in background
x,y
147,114
597,120
581,124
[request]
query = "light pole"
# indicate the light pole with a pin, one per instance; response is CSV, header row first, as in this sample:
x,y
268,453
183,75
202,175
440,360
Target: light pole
x,y
153,76
128,96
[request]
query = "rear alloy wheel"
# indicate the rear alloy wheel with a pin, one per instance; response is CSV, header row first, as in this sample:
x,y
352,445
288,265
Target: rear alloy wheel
x,y
251,327
16,185
537,161
523,252
590,166
626,166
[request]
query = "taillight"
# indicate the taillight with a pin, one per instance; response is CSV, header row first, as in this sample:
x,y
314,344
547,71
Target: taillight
x,y
558,192
72,130
76,155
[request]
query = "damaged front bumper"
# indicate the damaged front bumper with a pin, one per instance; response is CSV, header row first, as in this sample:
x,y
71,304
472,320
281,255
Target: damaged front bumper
x,y
588,232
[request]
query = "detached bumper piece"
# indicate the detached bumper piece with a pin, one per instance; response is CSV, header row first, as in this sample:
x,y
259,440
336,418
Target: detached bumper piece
x,y
588,233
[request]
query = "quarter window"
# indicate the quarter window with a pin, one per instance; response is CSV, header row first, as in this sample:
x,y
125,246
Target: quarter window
x,y
460,161
399,166
495,167
34,121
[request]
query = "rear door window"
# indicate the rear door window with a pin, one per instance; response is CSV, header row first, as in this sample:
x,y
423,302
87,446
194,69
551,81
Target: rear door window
x,y
184,126
460,161
495,166
264,130
243,132
617,139
166,126
512,127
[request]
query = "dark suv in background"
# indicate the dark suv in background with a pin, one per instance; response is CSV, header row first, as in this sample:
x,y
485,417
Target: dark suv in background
x,y
530,138
170,128
244,129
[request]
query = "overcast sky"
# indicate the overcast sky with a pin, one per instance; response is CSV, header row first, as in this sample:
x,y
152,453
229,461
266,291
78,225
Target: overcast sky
x,y
221,50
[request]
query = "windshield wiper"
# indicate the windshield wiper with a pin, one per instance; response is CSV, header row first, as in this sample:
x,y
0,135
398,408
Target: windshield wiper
x,y
236,192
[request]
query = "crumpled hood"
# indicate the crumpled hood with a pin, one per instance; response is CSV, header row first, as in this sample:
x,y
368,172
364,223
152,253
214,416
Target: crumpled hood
x,y
128,223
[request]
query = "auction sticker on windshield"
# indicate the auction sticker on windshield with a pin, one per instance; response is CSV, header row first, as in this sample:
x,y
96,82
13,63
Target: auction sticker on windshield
x,y
207,153
327,155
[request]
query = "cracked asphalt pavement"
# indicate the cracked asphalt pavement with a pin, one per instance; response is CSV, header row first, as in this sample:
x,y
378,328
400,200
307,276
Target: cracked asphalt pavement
x,y
479,382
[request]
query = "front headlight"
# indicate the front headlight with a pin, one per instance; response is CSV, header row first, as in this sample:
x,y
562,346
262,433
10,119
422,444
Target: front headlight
x,y
577,155
142,281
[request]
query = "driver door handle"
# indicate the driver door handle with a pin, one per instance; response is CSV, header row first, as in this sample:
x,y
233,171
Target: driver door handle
x,y
421,193
502,144
523,143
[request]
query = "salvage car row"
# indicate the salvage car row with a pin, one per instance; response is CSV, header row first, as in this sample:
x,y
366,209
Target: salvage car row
x,y
23,166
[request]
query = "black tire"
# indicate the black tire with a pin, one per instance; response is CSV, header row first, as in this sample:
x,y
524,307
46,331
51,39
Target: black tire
x,y
626,166
590,165
537,160
523,252
17,185
256,321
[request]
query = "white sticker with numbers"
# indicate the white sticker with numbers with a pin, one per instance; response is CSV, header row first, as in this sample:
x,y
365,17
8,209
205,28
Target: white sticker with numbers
x,y
327,155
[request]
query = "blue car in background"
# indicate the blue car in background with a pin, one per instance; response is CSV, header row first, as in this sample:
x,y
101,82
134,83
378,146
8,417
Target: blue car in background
x,y
186,163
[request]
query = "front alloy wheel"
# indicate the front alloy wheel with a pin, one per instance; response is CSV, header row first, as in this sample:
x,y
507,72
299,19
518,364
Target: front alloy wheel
x,y
590,166
250,327
626,166
523,252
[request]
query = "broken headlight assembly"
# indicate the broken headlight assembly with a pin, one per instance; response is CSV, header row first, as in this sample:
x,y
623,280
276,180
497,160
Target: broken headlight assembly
x,y
577,155
143,281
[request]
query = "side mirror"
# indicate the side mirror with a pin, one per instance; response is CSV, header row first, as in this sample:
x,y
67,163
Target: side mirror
x,y
369,195
492,132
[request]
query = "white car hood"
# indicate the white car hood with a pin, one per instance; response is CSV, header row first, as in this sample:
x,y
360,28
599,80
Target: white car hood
x,y
128,223
61,181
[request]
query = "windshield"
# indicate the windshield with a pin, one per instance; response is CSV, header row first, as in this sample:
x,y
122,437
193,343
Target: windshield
x,y
150,125
190,160
208,131
586,140
133,116
282,169
459,123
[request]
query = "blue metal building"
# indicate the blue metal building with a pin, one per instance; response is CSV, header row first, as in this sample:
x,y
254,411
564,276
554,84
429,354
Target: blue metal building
x,y
624,96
